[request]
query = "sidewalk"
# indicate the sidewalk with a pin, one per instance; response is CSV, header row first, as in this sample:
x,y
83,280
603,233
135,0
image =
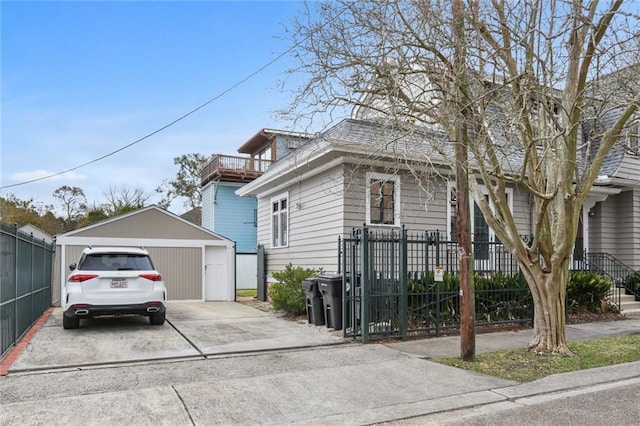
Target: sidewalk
x,y
445,347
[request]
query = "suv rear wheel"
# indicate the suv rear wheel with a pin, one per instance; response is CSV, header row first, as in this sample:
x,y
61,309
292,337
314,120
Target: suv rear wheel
x,y
157,319
69,323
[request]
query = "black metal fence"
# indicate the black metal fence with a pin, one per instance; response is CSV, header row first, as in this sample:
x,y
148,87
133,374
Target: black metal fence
x,y
25,283
396,284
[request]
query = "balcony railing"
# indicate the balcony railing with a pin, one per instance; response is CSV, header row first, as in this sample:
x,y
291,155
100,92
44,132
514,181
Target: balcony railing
x,y
233,169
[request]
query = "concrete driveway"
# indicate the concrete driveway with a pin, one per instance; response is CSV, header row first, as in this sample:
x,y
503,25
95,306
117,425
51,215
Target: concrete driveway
x,y
192,330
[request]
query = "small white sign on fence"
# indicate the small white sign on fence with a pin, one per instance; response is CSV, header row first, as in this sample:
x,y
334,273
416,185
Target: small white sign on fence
x,y
438,273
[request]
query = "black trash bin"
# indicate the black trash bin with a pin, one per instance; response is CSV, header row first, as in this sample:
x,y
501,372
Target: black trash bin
x,y
330,286
351,318
315,309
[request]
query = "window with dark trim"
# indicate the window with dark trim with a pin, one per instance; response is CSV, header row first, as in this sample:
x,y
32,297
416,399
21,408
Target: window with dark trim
x,y
383,196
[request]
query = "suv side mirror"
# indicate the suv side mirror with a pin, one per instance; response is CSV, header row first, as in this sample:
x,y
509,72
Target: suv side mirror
x,y
72,267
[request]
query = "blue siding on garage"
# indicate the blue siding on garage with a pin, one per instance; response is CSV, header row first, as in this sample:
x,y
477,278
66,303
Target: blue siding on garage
x,y
234,218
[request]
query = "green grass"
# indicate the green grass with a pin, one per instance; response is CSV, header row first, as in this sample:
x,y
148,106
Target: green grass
x,y
522,365
247,293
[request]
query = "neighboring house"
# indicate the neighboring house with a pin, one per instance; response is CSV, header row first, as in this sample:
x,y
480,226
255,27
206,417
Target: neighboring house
x,y
196,263
365,172
235,217
37,233
194,216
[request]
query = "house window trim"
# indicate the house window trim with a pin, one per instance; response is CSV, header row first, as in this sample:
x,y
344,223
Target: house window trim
x,y
396,198
278,199
451,186
632,139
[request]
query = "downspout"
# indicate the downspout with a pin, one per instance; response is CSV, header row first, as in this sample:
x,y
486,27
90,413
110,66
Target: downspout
x,y
216,185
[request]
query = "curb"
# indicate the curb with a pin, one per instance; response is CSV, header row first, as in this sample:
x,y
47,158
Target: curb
x,y
12,355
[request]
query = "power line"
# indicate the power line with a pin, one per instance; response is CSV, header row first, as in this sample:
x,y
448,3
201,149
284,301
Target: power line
x,y
166,126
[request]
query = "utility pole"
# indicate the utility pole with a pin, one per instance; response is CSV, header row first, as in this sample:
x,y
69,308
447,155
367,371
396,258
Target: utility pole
x,y
467,305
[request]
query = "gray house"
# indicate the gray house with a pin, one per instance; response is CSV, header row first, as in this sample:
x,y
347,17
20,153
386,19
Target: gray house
x,y
365,172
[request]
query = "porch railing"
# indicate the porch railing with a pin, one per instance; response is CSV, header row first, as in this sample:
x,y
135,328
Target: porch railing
x,y
609,266
233,168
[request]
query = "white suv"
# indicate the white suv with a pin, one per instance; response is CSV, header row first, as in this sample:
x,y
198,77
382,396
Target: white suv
x,y
113,281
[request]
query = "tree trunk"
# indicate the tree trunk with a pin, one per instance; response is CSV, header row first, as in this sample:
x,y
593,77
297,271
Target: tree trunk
x,y
549,293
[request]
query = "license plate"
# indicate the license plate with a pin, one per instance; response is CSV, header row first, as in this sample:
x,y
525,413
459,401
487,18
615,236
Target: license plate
x,y
118,283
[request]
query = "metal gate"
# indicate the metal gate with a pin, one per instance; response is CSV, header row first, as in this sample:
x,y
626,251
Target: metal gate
x,y
261,274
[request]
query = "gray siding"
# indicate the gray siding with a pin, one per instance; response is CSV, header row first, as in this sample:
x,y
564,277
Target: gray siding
x,y
635,262
182,270
629,167
603,229
423,204
315,223
522,211
330,205
614,227
628,229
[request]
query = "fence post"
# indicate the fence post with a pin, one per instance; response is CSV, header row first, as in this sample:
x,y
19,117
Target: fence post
x,y
340,254
437,285
438,249
364,286
16,318
403,284
31,279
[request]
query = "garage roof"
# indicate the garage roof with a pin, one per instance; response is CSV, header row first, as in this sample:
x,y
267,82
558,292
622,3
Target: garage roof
x,y
148,222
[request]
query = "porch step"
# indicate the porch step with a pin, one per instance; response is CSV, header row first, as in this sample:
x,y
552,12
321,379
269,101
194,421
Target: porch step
x,y
628,304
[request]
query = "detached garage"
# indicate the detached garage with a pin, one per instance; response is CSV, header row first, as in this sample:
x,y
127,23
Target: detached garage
x,y
197,264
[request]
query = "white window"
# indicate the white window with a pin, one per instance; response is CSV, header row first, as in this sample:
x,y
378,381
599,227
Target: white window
x,y
480,230
383,199
485,243
279,221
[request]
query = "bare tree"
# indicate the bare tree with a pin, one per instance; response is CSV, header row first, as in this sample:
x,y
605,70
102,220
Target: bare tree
x,y
538,72
123,198
74,203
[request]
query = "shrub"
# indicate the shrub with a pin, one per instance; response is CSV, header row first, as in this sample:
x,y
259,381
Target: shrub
x,y
587,291
632,284
286,293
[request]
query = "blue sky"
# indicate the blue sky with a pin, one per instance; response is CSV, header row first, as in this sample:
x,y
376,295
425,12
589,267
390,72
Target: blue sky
x,y
82,79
